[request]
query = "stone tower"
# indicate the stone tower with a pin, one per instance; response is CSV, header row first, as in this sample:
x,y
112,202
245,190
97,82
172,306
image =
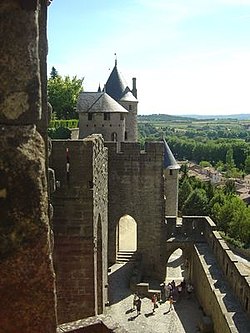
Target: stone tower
x,y
111,112
99,113
118,89
171,175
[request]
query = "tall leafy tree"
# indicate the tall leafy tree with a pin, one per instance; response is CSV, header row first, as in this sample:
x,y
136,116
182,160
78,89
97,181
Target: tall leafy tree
x,y
53,73
229,212
196,204
230,187
184,192
229,159
63,94
247,164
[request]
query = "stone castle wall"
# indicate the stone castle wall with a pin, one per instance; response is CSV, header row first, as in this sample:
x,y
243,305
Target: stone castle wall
x,y
203,247
105,127
80,227
27,281
209,298
235,273
136,188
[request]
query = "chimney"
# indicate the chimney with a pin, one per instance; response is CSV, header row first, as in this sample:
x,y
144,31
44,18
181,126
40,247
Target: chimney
x,y
134,90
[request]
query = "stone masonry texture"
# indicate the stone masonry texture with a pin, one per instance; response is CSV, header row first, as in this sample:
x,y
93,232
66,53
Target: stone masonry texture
x,y
80,227
27,281
20,97
136,188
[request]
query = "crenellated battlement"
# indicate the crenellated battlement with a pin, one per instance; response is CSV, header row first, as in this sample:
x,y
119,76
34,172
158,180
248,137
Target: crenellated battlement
x,y
134,148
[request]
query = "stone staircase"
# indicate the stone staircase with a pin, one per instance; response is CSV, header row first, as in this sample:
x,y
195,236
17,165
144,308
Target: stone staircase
x,y
125,256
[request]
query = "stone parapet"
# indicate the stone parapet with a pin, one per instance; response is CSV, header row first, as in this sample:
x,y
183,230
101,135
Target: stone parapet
x,y
20,101
27,277
80,226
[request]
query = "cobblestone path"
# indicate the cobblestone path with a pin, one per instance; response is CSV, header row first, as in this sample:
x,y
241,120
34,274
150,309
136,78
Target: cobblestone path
x,y
183,319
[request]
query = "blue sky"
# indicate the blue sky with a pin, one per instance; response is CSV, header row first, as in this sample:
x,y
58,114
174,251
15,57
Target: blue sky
x,y
189,56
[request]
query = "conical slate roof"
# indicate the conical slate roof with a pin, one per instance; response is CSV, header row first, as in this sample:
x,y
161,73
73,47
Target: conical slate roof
x,y
169,160
98,102
128,97
115,85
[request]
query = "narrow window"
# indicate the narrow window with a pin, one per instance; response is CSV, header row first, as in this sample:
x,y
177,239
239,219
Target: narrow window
x,y
121,116
126,136
114,136
90,116
171,172
106,116
130,107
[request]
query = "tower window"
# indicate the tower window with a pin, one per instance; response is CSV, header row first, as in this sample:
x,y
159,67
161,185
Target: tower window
x,y
171,172
126,135
114,136
121,116
130,107
106,116
90,116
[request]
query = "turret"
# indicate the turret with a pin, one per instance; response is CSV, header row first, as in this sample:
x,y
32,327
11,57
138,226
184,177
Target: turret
x,y
101,114
171,182
118,89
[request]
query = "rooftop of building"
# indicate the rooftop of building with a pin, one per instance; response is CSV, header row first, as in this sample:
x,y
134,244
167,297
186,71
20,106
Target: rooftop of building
x,y
98,102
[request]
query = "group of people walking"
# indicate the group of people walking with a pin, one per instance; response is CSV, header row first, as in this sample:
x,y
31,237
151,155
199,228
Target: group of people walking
x,y
169,292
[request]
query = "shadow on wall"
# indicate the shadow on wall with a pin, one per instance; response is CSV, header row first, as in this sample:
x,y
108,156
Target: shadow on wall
x,y
181,306
119,281
96,328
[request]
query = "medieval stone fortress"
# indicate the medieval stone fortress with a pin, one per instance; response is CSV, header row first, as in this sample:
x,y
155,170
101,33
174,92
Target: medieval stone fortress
x,y
71,210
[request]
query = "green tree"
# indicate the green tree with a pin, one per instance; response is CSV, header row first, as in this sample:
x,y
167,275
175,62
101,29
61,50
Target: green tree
x,y
247,164
204,164
53,73
59,133
196,204
184,170
239,226
229,159
63,94
184,192
230,187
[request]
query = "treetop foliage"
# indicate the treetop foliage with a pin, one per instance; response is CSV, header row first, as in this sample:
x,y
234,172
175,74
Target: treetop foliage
x,y
227,210
63,93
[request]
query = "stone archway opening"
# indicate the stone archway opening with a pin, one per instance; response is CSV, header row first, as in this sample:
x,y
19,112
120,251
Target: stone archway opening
x,y
175,267
126,233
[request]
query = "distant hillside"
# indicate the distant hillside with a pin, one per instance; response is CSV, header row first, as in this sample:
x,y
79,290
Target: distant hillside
x,y
241,116
163,118
190,117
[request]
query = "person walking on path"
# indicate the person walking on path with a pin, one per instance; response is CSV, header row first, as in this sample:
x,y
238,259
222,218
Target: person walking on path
x,y
171,302
135,298
168,289
190,289
138,306
154,301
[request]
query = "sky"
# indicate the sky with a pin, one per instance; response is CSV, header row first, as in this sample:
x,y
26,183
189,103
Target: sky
x,y
188,56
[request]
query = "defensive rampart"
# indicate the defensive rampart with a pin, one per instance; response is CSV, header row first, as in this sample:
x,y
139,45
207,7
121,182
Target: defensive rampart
x,y
136,188
80,227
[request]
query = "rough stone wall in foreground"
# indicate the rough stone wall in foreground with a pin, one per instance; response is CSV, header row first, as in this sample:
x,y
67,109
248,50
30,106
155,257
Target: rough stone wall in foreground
x,y
27,292
80,227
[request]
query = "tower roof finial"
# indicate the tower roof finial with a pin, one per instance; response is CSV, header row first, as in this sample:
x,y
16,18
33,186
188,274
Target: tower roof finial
x,y
115,59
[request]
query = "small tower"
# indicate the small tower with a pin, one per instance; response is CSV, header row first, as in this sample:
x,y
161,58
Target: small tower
x,y
117,88
101,114
171,182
